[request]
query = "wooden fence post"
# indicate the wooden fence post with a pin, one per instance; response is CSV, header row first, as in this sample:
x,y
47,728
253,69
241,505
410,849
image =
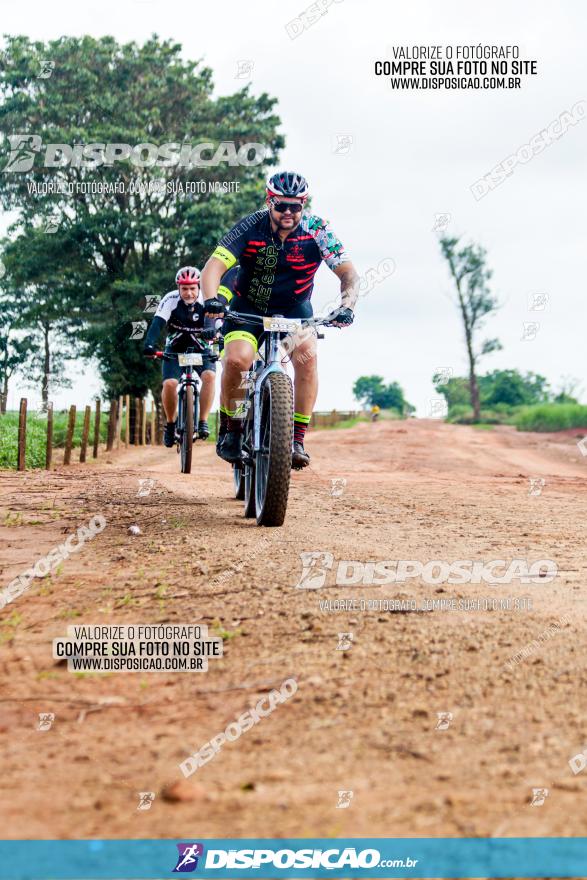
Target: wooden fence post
x,y
160,422
21,464
119,421
96,430
136,423
143,439
69,436
85,433
127,421
49,447
153,438
111,425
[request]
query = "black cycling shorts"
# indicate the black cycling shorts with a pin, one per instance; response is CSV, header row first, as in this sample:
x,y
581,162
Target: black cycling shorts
x,y
252,332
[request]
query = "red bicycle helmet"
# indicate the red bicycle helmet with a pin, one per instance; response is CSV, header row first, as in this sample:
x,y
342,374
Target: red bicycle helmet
x,y
187,275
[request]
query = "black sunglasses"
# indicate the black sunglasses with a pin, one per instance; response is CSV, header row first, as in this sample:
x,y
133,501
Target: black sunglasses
x,y
282,207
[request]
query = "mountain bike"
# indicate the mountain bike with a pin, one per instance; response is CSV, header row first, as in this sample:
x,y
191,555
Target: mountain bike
x,y
262,478
188,399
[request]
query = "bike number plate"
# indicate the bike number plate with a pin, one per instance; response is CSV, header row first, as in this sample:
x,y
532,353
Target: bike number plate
x,y
281,325
185,360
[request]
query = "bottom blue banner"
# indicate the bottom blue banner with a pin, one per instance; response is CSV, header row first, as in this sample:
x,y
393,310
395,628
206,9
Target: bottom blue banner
x,y
353,857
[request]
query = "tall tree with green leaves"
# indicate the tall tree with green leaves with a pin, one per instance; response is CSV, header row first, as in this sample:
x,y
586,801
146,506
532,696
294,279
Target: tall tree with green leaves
x,y
14,349
41,278
499,388
131,221
372,391
468,270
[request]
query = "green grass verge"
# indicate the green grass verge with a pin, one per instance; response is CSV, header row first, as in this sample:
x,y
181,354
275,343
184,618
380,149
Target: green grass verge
x,y
547,417
344,423
538,417
37,436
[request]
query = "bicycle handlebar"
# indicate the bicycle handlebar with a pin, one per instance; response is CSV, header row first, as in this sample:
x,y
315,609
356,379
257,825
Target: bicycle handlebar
x,y
172,355
243,318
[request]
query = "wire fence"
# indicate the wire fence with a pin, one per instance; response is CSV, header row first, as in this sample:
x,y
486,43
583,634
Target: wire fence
x,y
40,439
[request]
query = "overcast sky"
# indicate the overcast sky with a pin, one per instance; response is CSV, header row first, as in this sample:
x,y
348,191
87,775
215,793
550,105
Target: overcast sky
x,y
414,154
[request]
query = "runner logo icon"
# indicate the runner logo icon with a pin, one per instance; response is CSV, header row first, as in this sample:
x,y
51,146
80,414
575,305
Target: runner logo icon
x,y
187,860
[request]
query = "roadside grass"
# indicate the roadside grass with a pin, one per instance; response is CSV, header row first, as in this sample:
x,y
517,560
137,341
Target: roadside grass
x,y
547,417
344,423
542,417
36,436
461,414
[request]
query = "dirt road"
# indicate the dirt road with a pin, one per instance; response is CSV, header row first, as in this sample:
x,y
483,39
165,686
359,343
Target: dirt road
x,y
364,720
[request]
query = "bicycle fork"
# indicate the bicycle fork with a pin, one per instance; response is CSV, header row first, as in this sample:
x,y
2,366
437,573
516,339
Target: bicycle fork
x,y
273,365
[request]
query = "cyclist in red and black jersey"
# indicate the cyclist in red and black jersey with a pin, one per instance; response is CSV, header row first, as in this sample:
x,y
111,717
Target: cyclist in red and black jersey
x,y
278,252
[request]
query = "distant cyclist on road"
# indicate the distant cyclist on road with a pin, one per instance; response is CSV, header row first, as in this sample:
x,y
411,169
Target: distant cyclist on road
x,y
181,313
278,251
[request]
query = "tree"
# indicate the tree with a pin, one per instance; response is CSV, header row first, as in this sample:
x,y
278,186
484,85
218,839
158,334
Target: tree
x,y
568,391
513,388
372,391
498,388
41,277
13,350
132,222
470,274
455,390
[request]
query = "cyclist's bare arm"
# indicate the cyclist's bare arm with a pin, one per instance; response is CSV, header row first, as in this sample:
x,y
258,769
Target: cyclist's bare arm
x,y
211,276
349,284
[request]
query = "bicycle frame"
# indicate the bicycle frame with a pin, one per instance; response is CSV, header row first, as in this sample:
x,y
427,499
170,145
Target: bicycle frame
x,y
272,364
188,376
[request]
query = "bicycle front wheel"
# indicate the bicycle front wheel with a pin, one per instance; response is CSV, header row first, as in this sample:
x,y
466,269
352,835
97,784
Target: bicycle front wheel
x,y
187,431
273,460
249,466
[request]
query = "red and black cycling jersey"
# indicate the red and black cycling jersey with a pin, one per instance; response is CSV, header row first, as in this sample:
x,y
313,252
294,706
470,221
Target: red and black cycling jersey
x,y
276,275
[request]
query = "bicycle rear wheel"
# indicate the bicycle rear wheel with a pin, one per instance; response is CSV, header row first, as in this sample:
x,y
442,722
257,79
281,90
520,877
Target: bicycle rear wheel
x,y
273,461
239,481
187,431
